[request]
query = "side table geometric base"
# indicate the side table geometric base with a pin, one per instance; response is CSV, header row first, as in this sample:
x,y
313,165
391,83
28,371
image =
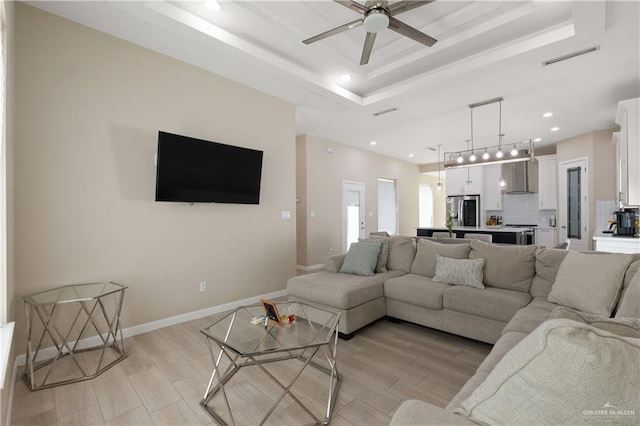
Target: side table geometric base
x,y
80,325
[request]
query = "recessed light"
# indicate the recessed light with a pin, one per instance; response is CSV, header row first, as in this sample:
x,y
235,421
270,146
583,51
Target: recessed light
x,y
345,77
555,129
373,143
213,5
547,114
537,139
411,155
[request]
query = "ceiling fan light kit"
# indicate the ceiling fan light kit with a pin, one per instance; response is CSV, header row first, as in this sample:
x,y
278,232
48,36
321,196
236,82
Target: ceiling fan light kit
x,y
376,17
376,21
492,154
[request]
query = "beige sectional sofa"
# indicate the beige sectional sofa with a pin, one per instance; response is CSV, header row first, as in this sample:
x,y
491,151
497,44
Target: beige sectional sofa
x,y
515,301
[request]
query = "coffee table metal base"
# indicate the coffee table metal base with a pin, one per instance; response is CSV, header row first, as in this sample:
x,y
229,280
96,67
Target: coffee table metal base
x,y
305,356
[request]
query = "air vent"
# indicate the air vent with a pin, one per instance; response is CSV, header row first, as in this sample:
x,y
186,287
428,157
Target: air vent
x,y
386,111
570,55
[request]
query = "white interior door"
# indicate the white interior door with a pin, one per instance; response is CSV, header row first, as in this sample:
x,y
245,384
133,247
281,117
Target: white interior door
x,y
353,226
573,208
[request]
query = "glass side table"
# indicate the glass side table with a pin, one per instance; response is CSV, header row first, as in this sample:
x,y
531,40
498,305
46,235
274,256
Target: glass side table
x,y
314,331
73,333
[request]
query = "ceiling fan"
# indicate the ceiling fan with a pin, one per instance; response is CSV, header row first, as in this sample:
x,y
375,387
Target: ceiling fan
x,y
376,16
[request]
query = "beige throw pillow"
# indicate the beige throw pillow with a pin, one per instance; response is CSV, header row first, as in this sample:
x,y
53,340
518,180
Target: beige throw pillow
x,y
508,267
590,282
629,306
563,373
467,272
425,261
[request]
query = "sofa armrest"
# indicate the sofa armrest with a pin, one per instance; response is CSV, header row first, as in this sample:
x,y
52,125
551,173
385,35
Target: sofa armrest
x,y
414,412
334,263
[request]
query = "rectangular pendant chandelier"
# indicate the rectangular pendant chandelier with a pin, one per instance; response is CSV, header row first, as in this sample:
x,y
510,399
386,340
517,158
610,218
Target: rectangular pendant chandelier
x,y
497,154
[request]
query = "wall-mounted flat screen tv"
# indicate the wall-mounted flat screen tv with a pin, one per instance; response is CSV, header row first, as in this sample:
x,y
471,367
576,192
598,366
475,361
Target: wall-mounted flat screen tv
x,y
198,171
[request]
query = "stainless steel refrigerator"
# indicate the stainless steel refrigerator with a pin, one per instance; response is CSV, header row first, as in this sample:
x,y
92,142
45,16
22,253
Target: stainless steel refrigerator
x,y
465,208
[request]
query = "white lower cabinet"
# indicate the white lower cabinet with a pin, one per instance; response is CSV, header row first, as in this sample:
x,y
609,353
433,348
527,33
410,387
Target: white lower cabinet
x,y
617,244
546,237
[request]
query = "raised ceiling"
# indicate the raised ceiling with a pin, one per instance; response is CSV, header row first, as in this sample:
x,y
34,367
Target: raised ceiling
x,y
485,49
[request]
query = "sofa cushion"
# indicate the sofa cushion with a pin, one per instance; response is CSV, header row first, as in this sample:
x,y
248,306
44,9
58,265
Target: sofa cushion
x,y
342,291
634,300
626,327
459,271
493,303
416,290
629,306
527,319
402,252
564,372
508,267
361,258
425,261
590,282
500,349
542,303
334,263
383,255
547,264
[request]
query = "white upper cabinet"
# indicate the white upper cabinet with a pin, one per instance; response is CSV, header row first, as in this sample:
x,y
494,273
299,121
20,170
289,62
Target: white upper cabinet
x,y
547,182
492,194
628,153
465,181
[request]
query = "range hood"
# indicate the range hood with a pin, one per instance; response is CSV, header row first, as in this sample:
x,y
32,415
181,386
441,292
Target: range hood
x,y
521,178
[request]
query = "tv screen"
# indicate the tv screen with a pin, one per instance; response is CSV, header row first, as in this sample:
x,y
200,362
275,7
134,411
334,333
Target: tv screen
x,y
198,171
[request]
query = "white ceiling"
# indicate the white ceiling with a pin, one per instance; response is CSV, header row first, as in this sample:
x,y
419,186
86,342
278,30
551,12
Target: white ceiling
x,y
485,49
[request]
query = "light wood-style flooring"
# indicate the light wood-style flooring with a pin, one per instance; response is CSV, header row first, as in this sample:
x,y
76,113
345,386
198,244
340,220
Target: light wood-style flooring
x,y
165,375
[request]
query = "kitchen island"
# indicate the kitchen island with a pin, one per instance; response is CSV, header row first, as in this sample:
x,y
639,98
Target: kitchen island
x,y
500,235
616,244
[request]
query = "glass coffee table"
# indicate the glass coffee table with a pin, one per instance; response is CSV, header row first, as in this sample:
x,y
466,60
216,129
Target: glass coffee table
x,y
246,342
70,319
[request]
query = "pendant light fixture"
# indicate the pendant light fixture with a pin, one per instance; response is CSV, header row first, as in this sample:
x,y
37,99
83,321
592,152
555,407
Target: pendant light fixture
x,y
439,184
522,151
499,154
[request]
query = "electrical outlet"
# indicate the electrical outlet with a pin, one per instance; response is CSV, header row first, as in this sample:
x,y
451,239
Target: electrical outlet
x,y
203,286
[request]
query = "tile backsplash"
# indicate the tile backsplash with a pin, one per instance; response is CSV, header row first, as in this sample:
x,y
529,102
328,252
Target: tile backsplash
x,y
522,209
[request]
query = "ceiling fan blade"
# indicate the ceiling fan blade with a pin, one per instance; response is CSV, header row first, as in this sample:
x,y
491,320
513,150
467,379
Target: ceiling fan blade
x,y
406,5
353,5
412,33
368,46
334,31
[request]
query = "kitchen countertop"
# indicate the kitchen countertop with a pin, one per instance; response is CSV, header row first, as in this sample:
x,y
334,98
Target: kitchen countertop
x,y
601,236
480,229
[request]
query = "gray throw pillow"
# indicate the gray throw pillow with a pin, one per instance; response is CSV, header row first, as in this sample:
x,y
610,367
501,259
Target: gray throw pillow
x,y
361,259
466,272
590,282
381,265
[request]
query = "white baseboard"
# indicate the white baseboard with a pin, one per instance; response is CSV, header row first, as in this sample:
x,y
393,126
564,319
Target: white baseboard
x,y
310,267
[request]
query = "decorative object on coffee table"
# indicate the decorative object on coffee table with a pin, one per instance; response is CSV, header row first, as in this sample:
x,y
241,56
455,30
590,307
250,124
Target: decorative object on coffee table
x,y
70,317
271,312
